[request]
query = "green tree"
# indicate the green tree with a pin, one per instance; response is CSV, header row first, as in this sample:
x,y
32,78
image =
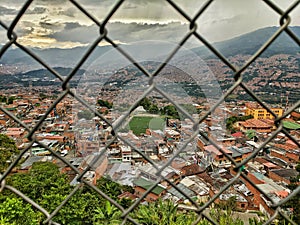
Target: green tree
x,y
171,111
163,213
146,103
109,187
44,184
8,150
80,209
254,221
223,213
233,119
153,109
107,215
14,210
10,100
105,103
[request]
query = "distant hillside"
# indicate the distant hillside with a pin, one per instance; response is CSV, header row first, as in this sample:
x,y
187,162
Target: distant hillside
x,y
246,44
40,77
249,43
55,57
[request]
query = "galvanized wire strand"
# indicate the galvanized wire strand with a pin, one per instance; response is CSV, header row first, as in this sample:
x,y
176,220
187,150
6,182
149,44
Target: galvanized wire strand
x,y
82,60
289,111
15,162
284,15
62,203
88,106
176,49
17,18
101,153
104,35
255,152
270,220
39,123
14,118
127,56
85,12
27,199
9,42
285,216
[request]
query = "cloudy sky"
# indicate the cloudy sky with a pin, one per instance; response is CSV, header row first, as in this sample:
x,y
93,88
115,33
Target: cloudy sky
x,y
58,23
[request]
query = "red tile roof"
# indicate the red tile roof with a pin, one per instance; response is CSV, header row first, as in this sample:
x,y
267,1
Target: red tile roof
x,y
213,149
256,124
237,134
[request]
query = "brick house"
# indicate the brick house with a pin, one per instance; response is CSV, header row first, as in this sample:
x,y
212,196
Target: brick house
x,y
218,159
283,175
142,185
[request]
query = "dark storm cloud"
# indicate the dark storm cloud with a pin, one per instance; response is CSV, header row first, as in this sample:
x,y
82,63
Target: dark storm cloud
x,y
52,2
36,10
7,11
70,12
97,3
136,31
139,20
77,33
71,26
50,25
122,32
25,28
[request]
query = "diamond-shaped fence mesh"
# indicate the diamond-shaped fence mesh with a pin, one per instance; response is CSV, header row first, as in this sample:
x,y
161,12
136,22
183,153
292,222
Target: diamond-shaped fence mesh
x,y
116,126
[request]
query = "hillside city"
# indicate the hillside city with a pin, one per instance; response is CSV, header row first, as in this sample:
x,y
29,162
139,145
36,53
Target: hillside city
x,y
149,112
157,131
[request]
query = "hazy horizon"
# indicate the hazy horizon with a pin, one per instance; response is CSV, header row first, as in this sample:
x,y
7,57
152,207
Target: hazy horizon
x,y
59,24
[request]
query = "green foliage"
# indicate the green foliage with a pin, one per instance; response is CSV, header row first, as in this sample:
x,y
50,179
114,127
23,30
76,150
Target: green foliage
x,y
107,215
7,100
80,209
254,221
109,187
224,217
45,185
298,167
233,119
3,98
43,181
153,109
105,103
170,111
223,213
149,106
114,189
146,103
17,211
42,96
162,213
8,149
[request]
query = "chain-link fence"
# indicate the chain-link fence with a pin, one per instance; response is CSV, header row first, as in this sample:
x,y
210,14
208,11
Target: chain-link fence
x,y
104,35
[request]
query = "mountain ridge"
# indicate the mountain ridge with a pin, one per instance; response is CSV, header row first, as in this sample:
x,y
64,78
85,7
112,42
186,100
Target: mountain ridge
x,y
249,43
246,44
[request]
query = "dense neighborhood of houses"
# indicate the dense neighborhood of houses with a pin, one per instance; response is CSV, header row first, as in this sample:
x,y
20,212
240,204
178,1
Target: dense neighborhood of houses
x,y
200,165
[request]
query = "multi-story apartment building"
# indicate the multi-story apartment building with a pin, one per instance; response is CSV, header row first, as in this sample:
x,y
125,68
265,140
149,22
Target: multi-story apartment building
x,y
258,112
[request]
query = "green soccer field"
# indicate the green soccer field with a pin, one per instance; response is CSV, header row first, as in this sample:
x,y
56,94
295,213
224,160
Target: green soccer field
x,y
139,124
